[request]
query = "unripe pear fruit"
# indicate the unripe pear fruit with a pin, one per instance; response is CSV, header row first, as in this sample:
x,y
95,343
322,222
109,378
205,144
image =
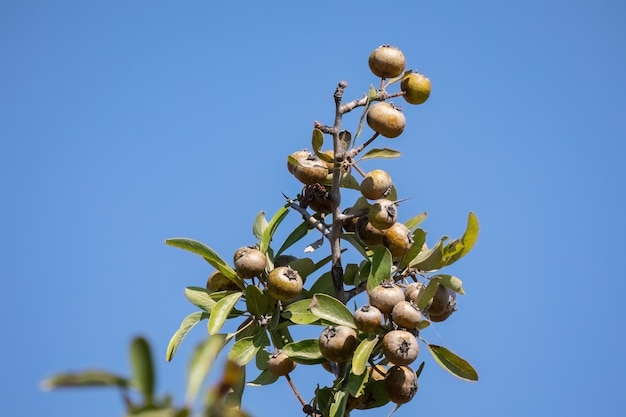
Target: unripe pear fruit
x,y
338,343
383,214
413,292
376,184
387,61
416,88
385,296
280,364
284,283
367,233
218,282
400,384
308,169
367,318
405,314
249,262
386,119
398,239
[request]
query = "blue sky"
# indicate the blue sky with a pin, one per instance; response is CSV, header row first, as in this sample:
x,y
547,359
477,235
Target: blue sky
x,y
125,123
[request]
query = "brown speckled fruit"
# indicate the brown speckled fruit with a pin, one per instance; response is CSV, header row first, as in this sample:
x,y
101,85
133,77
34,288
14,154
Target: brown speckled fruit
x,y
387,61
280,364
284,283
441,300
385,296
416,88
386,119
367,318
400,347
249,262
406,315
338,343
367,233
376,184
400,384
398,239
308,169
383,214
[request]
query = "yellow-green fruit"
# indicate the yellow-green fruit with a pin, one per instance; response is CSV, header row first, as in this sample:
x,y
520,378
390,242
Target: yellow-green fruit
x,y
386,119
398,239
280,364
387,61
383,214
376,184
416,88
218,282
367,233
308,168
284,283
400,384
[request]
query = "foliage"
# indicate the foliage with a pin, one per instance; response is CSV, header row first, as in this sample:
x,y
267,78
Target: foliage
x,y
315,292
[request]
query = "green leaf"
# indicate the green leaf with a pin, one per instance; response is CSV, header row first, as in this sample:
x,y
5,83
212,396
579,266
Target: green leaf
x,y
371,95
362,354
188,322
429,293
324,284
351,275
329,308
374,396
221,311
200,364
260,224
84,379
356,384
317,141
452,282
419,237
269,231
233,398
208,254
413,222
303,349
257,301
264,378
298,312
298,233
143,367
199,297
304,266
348,181
381,153
467,241
453,363
430,260
244,350
151,411
381,267
338,406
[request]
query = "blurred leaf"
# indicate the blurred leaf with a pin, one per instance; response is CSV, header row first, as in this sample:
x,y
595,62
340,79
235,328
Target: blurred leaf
x,y
327,307
419,237
351,274
459,248
244,350
89,378
381,267
348,181
298,233
362,354
452,363
260,224
151,411
237,385
430,260
208,254
338,406
381,153
269,231
429,293
221,311
452,282
324,284
200,364
199,297
257,301
413,222
188,322
298,312
143,368
262,359
264,378
303,349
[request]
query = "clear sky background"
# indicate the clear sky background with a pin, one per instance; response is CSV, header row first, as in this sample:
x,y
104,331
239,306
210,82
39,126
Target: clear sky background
x,y
126,123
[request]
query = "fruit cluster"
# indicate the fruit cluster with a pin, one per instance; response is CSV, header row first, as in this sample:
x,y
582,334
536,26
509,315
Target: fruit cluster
x,y
372,349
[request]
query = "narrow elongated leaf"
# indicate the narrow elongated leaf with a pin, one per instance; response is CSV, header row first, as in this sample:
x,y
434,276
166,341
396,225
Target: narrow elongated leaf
x,y
431,259
259,226
298,233
452,282
256,300
329,308
299,313
221,311
188,322
303,349
362,354
371,95
201,362
338,407
464,245
199,297
381,267
264,378
429,293
143,367
413,222
348,181
269,231
453,363
317,141
89,378
381,153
